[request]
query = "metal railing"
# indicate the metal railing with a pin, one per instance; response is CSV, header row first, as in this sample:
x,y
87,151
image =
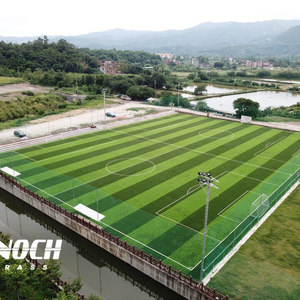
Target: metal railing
x,y
200,287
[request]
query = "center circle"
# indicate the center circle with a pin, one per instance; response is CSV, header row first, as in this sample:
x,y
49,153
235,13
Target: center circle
x,y
130,166
211,133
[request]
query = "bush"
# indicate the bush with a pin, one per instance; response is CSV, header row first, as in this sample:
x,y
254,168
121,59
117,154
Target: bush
x,y
62,105
28,93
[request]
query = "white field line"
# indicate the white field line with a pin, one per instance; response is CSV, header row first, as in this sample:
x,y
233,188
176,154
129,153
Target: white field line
x,y
46,192
67,143
190,228
144,245
237,199
248,235
296,153
252,230
205,153
252,178
270,145
279,159
153,130
17,153
188,192
183,147
68,153
219,131
142,161
189,268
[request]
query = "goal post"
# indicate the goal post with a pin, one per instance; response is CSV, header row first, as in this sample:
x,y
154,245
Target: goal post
x,y
260,206
246,119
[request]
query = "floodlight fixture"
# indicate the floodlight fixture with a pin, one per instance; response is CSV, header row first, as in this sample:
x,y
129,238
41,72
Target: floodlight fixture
x,y
205,178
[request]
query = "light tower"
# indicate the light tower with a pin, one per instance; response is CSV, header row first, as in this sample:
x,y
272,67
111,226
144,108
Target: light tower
x,y
205,179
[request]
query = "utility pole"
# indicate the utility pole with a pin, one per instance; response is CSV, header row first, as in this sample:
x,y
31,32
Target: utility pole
x,y
104,108
205,179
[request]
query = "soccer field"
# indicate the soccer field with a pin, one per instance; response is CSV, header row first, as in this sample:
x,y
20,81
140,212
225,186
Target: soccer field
x,y
139,181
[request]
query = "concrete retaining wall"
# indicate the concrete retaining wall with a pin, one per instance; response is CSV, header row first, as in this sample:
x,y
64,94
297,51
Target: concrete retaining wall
x,y
166,275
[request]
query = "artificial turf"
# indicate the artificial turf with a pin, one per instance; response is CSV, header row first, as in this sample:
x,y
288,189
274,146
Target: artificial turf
x,y
143,178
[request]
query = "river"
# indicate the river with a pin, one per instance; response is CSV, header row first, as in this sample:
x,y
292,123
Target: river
x,y
102,274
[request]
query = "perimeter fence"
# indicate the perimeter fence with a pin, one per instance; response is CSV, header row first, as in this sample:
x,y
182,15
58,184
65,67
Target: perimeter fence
x,y
219,252
189,280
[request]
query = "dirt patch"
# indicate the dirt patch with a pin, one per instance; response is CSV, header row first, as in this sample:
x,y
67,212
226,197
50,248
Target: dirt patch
x,y
12,91
67,114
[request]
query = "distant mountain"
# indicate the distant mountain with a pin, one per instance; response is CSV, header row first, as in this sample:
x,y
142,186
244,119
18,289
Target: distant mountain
x,y
227,38
291,36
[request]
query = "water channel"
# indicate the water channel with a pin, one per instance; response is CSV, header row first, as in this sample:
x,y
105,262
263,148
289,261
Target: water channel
x,y
102,274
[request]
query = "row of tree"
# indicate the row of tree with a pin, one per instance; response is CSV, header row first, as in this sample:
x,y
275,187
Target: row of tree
x,y
60,56
139,87
65,57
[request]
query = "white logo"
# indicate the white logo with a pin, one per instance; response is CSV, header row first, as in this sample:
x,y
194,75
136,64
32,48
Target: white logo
x,y
22,247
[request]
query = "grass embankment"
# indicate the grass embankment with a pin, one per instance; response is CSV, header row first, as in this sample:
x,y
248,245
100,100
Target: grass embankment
x,y
18,112
10,80
268,265
277,119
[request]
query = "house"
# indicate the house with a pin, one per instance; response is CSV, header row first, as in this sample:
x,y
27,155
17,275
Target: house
x,y
109,67
195,62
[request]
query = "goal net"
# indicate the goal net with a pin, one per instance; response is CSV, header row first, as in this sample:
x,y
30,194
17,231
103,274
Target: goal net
x,y
260,206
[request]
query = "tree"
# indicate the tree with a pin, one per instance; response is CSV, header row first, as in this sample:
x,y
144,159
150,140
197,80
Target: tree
x,y
202,106
246,107
218,65
200,89
159,78
140,92
263,73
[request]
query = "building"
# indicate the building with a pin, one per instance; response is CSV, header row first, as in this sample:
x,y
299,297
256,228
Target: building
x,y
257,64
165,55
195,62
109,67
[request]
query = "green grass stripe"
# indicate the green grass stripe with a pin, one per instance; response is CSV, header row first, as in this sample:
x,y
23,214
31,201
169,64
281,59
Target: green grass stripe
x,y
93,167
235,191
160,159
171,233
177,146
140,187
65,144
109,148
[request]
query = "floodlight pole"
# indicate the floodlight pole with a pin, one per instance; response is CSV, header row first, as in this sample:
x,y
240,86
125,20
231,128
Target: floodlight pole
x,y
205,179
104,108
178,95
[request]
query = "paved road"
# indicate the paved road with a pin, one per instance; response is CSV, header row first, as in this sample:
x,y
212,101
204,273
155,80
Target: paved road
x,y
47,130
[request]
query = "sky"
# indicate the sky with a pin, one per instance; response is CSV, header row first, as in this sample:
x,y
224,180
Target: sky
x,y
72,17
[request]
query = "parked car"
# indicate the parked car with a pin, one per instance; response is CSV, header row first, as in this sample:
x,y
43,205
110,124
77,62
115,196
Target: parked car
x,y
19,133
110,115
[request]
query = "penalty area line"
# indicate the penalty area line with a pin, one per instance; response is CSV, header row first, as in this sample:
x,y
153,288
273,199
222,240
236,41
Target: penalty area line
x,y
144,245
269,145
